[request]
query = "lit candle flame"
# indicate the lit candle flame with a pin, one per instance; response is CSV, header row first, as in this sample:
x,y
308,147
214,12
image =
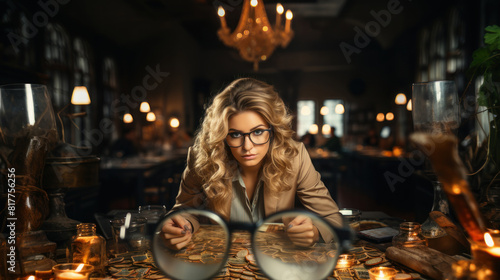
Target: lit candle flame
x,y
79,268
289,15
221,11
279,8
254,3
31,277
488,240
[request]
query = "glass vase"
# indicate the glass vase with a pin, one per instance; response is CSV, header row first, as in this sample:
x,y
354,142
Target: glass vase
x,y
410,235
89,248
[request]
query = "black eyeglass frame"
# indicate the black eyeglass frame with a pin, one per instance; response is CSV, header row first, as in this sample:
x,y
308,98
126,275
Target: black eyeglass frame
x,y
344,235
270,129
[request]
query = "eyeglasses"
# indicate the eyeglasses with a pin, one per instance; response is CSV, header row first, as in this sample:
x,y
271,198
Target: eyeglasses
x,y
264,247
257,137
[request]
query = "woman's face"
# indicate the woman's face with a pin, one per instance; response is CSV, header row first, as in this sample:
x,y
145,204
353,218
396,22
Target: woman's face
x,y
248,155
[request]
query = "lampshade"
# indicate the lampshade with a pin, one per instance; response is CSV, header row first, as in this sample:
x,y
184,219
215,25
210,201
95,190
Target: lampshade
x,y
313,129
145,107
127,118
80,96
339,109
324,111
400,99
380,117
389,116
174,122
409,106
151,117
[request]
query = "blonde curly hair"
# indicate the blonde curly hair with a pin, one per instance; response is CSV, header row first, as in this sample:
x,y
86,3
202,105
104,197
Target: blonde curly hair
x,y
214,162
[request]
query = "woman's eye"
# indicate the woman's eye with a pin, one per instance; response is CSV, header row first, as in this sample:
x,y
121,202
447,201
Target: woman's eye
x,y
258,132
235,135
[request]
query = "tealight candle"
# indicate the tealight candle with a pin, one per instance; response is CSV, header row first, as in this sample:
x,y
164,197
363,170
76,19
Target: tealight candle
x,y
382,273
345,261
487,253
70,275
72,271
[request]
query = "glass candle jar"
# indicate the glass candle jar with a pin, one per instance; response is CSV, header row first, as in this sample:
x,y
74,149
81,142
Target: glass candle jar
x,y
72,271
345,261
410,235
89,248
382,273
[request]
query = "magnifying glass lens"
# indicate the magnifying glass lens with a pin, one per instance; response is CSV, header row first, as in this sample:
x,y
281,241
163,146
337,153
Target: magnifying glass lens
x,y
283,253
191,246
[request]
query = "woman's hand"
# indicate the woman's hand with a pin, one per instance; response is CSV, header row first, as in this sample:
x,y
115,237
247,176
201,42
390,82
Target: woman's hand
x,y
302,232
176,232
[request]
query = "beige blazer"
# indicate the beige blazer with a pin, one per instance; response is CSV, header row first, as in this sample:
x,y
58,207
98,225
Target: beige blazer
x,y
306,186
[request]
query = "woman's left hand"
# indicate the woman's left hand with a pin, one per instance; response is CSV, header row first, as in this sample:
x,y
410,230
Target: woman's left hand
x,y
302,232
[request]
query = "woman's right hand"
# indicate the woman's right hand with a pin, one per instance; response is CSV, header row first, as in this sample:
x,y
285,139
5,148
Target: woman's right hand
x,y
176,232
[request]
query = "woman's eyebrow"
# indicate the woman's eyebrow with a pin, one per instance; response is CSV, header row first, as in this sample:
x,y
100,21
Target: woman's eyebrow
x,y
252,129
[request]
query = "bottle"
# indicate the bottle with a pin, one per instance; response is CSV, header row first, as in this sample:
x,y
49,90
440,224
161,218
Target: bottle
x,y
410,235
88,247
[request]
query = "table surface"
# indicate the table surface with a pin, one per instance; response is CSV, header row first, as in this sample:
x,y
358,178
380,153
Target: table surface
x,y
140,264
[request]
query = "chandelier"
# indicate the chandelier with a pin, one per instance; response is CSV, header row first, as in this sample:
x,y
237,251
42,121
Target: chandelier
x,y
253,37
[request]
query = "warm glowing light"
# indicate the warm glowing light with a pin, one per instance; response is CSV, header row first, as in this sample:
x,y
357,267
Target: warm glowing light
x,y
31,277
174,122
389,116
263,57
488,240
400,99
80,96
305,111
279,8
324,111
151,117
79,268
127,118
339,109
409,107
456,189
145,107
380,117
221,11
313,129
254,23
326,129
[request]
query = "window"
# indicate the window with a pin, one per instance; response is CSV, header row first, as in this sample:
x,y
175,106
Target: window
x,y
334,116
305,116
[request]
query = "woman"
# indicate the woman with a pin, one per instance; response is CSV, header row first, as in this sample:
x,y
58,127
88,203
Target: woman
x,y
244,165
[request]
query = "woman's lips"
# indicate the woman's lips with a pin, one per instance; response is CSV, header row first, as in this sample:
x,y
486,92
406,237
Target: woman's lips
x,y
249,157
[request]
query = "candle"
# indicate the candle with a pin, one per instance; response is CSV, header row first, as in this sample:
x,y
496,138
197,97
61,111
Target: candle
x,y
382,273
221,14
72,271
345,261
279,12
487,253
289,16
70,275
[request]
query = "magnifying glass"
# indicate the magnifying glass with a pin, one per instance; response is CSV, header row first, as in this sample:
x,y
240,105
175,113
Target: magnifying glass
x,y
197,244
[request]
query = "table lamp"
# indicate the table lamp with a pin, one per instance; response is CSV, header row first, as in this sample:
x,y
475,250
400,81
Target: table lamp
x,y
66,169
